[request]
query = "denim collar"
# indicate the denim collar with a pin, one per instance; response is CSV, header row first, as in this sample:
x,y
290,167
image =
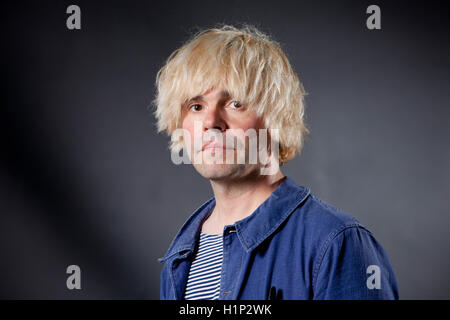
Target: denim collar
x,y
251,230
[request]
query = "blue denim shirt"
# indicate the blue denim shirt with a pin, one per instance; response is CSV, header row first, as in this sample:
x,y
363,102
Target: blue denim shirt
x,y
293,246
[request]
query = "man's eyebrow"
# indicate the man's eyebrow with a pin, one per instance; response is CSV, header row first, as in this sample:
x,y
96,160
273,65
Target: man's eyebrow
x,y
196,98
225,95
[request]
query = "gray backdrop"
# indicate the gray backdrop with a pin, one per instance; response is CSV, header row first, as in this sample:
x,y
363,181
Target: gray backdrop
x,y
85,179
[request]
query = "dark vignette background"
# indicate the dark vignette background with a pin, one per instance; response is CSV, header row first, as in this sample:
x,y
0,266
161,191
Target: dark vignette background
x,y
85,179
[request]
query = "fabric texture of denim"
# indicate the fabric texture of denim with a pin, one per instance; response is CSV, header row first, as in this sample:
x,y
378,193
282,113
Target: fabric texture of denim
x,y
293,246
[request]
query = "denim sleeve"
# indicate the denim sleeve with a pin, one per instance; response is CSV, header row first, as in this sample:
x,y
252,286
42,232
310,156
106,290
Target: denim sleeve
x,y
164,284
354,266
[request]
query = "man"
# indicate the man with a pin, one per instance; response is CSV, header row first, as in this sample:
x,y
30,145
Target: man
x,y
261,236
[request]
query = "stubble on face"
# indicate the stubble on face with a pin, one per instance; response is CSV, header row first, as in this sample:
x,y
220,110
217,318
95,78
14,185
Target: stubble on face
x,y
211,170
208,166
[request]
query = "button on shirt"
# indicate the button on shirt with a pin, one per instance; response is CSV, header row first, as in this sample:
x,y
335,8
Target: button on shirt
x,y
293,246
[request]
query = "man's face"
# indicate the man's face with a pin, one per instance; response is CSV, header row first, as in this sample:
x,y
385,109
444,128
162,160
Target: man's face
x,y
212,115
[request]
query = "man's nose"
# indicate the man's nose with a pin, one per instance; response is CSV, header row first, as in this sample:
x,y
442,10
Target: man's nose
x,y
213,119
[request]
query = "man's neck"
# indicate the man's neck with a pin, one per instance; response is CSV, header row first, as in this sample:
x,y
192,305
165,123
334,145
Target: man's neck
x,y
237,199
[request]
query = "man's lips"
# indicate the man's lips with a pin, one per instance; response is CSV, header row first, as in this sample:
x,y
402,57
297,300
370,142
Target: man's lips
x,y
214,145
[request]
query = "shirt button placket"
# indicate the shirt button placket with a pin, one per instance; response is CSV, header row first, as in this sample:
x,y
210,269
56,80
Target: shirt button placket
x,y
226,244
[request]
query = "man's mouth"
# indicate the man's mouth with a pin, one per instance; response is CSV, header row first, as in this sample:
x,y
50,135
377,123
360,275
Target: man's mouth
x,y
214,145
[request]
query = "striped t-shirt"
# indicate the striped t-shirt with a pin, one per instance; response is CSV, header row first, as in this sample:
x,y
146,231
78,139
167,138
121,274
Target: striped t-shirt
x,y
204,276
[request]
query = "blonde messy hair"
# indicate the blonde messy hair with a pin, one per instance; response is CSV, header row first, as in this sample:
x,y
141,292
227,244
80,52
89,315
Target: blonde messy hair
x,y
250,66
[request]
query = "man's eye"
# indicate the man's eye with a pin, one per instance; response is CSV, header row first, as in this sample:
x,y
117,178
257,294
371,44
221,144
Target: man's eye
x,y
195,107
235,104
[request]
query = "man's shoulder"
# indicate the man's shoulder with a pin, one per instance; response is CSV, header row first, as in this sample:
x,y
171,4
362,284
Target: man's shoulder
x,y
318,209
316,225
321,221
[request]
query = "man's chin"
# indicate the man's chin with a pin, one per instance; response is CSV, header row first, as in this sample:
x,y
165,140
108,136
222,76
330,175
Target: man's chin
x,y
218,171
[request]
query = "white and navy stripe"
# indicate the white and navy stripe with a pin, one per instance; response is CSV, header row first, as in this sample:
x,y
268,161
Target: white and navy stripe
x,y
204,276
